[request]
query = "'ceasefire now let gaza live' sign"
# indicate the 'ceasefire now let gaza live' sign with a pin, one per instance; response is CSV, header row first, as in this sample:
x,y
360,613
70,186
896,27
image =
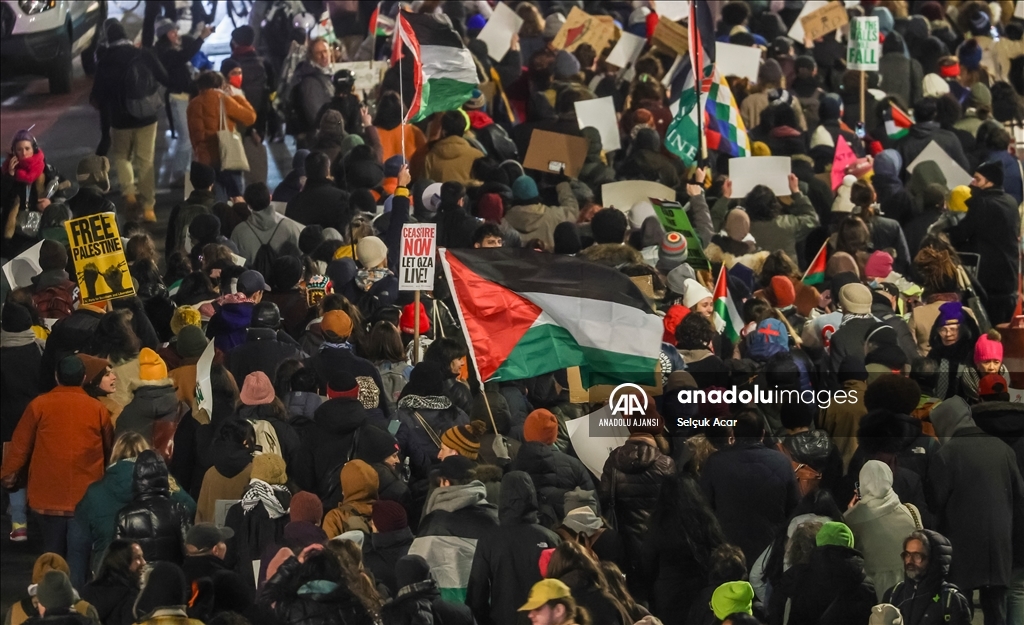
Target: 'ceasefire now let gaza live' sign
x,y
417,264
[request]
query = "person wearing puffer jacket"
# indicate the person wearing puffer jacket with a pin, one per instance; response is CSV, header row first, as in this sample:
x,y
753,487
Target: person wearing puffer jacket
x,y
424,398
152,519
631,484
418,599
553,472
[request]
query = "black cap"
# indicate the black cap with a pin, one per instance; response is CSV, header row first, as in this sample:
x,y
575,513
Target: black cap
x,y
457,468
206,536
243,36
993,172
343,80
265,315
250,282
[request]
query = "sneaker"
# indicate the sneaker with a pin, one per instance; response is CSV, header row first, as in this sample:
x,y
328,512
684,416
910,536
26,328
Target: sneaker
x,y
149,216
20,533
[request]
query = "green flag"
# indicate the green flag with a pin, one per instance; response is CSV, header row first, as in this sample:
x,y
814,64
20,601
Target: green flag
x,y
673,218
683,135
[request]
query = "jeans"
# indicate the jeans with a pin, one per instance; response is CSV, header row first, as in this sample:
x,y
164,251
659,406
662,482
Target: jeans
x,y
131,154
182,155
229,185
993,604
70,539
18,512
1015,598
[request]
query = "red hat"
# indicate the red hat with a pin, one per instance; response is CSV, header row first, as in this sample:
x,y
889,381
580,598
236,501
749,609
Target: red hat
x,y
949,70
782,291
673,316
992,384
389,516
306,506
541,426
407,323
988,347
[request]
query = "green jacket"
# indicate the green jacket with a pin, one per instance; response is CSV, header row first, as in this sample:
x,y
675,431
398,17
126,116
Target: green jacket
x,y
103,499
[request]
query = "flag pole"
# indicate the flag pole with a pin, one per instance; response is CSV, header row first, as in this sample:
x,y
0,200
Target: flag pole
x,y
416,326
811,266
697,60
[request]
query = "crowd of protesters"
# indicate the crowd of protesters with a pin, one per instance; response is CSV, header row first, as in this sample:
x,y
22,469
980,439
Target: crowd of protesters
x,y
340,462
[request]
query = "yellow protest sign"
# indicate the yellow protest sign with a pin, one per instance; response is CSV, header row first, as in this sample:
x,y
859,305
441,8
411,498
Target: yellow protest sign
x,y
100,264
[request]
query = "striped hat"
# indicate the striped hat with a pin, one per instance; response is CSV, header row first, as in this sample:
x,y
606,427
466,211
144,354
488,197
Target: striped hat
x,y
465,439
672,252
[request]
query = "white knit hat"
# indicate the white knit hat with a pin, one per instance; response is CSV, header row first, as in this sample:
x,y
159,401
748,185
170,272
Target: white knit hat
x,y
695,292
934,86
842,203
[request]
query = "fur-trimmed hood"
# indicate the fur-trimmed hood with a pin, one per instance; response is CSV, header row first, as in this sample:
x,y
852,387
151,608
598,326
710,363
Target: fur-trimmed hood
x,y
753,261
612,254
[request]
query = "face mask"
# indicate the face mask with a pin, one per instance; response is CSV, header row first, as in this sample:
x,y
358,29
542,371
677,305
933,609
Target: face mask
x,y
236,81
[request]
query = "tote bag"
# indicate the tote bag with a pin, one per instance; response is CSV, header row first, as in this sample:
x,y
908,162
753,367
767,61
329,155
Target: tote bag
x,y
232,152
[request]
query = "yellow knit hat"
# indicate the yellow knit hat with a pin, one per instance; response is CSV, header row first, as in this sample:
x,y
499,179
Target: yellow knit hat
x,y
759,148
958,199
151,366
465,439
185,316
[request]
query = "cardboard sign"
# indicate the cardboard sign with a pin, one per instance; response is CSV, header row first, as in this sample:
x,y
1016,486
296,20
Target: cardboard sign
x,y
750,171
624,194
673,218
98,253
824,20
864,49
497,33
600,114
626,51
844,158
593,451
419,249
204,388
581,27
954,173
671,37
556,153
741,61
20,270
368,74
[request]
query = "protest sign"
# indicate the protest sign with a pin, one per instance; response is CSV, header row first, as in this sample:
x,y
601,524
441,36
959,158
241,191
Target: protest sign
x,y
740,61
556,153
749,171
367,74
20,270
497,33
824,20
600,114
796,32
626,51
581,27
416,267
593,451
98,254
671,37
844,158
864,49
204,388
954,173
672,9
1019,11
623,195
673,218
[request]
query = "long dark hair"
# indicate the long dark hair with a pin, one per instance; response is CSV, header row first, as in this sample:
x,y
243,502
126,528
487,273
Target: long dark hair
x,y
389,111
384,343
115,339
115,567
686,521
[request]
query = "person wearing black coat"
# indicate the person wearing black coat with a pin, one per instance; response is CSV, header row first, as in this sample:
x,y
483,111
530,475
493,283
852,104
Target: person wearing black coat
x,y
750,487
915,596
424,395
379,449
553,473
116,587
388,544
266,346
320,202
418,599
927,129
991,229
70,335
631,485
20,359
832,586
505,563
310,590
328,445
156,523
573,566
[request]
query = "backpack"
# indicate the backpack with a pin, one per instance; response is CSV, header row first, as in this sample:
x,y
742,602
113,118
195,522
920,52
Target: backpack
x,y
265,257
808,480
392,383
266,437
56,302
141,91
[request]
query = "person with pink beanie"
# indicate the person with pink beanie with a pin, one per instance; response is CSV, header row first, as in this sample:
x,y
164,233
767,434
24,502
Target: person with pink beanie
x,y
988,358
261,406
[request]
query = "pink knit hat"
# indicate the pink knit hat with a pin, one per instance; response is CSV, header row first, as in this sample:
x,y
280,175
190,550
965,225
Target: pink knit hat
x,y
257,389
988,347
879,265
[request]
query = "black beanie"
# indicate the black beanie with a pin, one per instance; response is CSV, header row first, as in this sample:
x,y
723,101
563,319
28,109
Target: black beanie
x,y
52,255
411,570
375,445
311,237
425,380
201,176
165,587
567,238
993,172
15,318
204,228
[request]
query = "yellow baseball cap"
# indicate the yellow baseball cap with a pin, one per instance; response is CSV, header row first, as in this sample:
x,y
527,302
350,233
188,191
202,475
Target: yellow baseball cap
x,y
543,591
958,199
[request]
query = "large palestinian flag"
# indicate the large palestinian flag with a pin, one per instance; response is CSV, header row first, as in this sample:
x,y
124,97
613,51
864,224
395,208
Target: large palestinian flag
x,y
443,72
525,313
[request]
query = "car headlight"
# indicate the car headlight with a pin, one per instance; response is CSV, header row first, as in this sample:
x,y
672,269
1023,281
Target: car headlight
x,y
33,7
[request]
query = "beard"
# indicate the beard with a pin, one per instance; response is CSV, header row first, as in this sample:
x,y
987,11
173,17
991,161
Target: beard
x,y
913,572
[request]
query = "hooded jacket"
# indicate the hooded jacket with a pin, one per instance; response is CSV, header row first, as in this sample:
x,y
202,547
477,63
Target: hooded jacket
x,y
537,221
323,204
109,84
920,135
383,551
832,588
263,350
359,485
1004,420
265,227
915,599
152,519
990,229
451,159
973,471
298,601
328,445
227,327
413,440
505,566
553,474
455,519
226,479
154,412
21,357
315,90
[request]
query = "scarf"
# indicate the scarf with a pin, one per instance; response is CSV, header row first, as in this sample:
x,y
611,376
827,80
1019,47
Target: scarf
x,y
329,345
29,169
17,339
850,317
260,491
430,402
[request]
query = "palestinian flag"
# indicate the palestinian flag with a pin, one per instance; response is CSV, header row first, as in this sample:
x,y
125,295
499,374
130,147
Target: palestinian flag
x,y
815,273
380,25
442,69
525,314
897,123
728,316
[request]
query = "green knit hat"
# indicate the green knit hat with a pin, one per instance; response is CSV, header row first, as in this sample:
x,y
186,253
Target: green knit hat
x,y
834,533
732,597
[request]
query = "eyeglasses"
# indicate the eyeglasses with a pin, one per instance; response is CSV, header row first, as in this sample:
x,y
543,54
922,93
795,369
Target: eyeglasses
x,y
916,556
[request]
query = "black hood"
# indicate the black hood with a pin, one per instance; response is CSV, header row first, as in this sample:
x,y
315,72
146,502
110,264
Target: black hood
x,y
150,476
340,416
1002,419
939,559
156,401
230,458
809,447
518,499
538,460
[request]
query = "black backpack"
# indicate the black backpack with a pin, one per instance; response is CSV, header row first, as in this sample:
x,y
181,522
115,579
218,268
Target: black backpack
x,y
141,90
265,257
